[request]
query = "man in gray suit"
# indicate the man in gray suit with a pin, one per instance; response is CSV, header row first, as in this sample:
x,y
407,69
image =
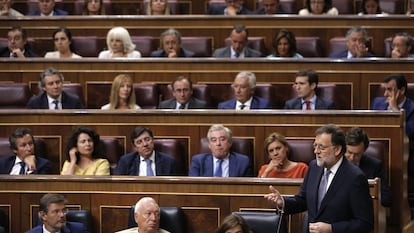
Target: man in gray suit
x,y
238,48
305,86
182,89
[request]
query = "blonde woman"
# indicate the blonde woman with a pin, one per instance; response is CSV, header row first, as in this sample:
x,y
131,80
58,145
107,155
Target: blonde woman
x,y
158,7
119,45
122,94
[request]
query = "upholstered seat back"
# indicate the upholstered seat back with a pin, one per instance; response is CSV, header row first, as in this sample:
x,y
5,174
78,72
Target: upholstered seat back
x,y
309,46
147,95
88,46
177,148
14,95
172,219
201,46
301,150
263,222
113,151
145,44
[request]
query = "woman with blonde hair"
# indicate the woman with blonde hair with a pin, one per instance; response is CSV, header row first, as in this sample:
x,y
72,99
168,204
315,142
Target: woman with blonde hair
x,y
122,94
158,7
119,45
277,149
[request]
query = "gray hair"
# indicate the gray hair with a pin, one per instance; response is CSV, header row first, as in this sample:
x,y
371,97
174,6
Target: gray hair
x,y
142,201
250,75
122,34
357,29
48,72
219,127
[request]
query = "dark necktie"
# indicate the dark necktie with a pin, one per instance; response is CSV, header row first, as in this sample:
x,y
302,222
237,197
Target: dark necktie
x,y
218,171
236,55
22,170
56,102
322,186
242,106
182,106
149,170
308,105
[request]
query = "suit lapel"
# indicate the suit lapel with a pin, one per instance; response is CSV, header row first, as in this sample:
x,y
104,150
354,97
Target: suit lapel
x,y
208,165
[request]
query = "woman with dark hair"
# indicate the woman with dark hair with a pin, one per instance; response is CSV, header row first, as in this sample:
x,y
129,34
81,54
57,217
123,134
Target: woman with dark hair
x,y
233,224
277,149
62,38
371,7
84,155
93,7
284,45
318,7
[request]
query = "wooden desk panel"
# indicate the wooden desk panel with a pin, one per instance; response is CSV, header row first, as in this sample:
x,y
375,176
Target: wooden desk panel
x,y
205,201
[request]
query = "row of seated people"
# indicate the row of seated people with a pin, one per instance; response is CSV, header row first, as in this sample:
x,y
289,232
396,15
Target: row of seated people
x,y
153,95
224,7
173,44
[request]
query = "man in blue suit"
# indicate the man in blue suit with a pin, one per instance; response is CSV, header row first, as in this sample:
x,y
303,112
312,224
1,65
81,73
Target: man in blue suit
x,y
334,192
221,162
53,97
306,82
244,86
145,161
356,43
52,211
24,160
394,99
47,8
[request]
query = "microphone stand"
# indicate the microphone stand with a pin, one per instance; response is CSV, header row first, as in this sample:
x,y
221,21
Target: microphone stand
x,y
280,211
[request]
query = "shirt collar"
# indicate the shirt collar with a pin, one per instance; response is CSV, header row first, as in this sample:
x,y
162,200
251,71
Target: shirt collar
x,y
152,157
247,104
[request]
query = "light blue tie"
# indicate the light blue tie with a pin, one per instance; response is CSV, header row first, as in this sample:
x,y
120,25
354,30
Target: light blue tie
x,y
322,186
218,171
149,170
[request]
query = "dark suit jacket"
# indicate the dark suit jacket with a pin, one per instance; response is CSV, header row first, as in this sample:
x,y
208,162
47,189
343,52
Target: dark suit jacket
x,y
165,164
56,12
257,103
219,10
347,204
183,53
5,52
43,166
372,168
344,54
71,227
194,103
226,52
68,102
261,11
321,103
381,104
202,165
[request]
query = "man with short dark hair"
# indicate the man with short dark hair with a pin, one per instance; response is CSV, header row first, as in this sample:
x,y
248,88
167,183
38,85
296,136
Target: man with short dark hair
x,y
17,46
306,83
231,7
238,48
24,160
52,211
145,160
53,96
401,45
47,8
182,89
270,7
357,142
334,192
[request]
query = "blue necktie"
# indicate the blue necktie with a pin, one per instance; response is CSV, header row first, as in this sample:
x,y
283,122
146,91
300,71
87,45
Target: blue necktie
x,y
218,171
22,170
149,170
322,186
56,102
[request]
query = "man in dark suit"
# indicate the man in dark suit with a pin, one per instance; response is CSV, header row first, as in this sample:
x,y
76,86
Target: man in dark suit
x,y
17,46
357,142
145,161
238,47
170,45
53,97
231,7
182,89
306,82
221,162
270,7
334,192
24,160
52,211
356,43
244,86
394,99
47,8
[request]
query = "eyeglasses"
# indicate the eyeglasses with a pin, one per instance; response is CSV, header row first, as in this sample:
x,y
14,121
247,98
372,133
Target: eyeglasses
x,y
321,147
57,211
